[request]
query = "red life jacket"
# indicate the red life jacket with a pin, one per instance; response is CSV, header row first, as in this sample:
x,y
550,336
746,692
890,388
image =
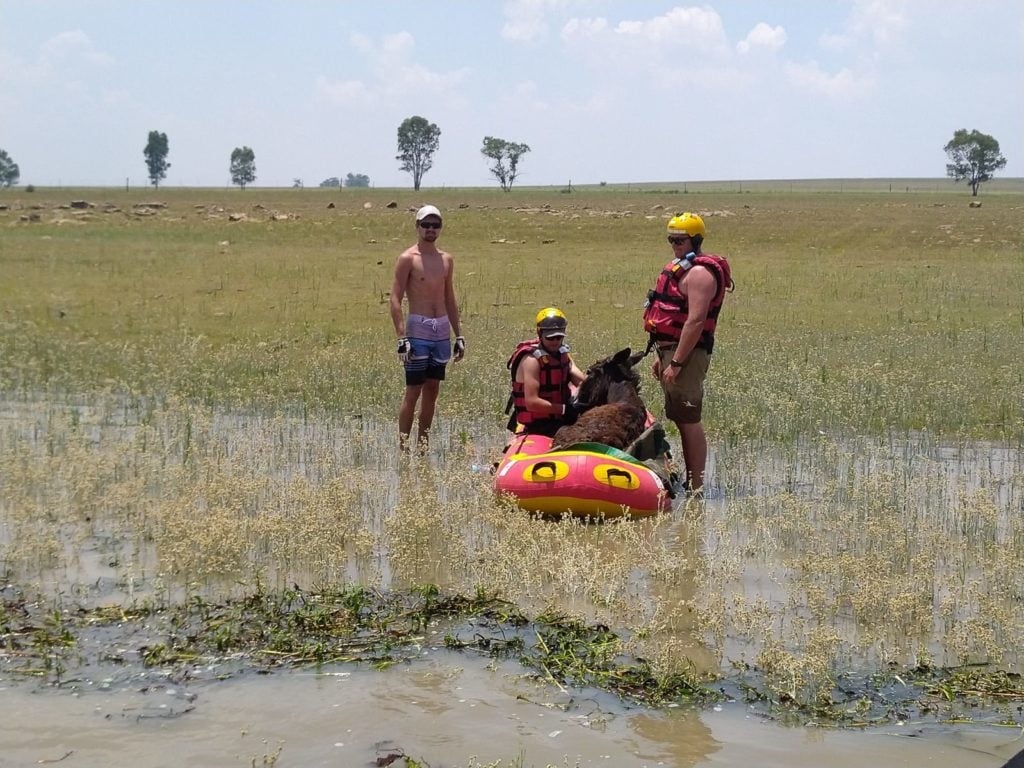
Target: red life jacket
x,y
554,379
666,309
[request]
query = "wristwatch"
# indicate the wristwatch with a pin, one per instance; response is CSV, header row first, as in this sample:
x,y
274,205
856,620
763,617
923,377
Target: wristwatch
x,y
675,364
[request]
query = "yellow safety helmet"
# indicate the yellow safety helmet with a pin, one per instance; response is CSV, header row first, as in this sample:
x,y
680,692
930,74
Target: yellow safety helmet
x,y
551,319
689,224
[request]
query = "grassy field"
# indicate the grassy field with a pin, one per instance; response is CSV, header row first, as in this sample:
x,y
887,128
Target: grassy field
x,y
200,388
855,311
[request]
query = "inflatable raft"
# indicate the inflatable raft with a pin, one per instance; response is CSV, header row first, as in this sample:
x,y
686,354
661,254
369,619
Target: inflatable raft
x,y
586,479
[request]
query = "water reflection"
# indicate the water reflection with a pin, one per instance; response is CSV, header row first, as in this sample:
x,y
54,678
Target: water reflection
x,y
442,714
821,558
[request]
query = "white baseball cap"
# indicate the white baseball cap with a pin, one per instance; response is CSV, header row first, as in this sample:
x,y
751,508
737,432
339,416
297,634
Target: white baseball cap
x,y
427,210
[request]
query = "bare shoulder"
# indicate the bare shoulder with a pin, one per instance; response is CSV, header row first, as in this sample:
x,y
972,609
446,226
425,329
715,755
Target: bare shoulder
x,y
406,261
530,363
409,253
699,278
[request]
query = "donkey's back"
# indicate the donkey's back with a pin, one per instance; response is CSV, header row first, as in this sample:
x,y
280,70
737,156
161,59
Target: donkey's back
x,y
619,418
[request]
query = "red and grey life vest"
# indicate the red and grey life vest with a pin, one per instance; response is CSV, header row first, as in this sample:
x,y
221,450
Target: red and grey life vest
x,y
665,310
555,373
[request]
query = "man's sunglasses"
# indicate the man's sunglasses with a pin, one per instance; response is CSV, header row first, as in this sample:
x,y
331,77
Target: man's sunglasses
x,y
430,224
678,240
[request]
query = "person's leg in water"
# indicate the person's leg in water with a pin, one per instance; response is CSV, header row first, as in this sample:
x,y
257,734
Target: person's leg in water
x,y
406,414
415,380
684,402
695,453
428,402
424,372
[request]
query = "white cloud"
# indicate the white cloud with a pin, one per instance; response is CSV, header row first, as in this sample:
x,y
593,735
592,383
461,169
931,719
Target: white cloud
x,y
843,84
526,20
584,28
342,91
72,47
879,21
762,37
392,71
832,41
701,26
692,29
392,50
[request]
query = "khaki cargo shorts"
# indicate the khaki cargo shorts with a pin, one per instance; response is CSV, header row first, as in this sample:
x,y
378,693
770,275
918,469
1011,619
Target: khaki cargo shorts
x,y
685,397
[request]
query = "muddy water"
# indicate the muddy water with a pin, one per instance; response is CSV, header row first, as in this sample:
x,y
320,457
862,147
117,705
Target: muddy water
x,y
443,711
446,707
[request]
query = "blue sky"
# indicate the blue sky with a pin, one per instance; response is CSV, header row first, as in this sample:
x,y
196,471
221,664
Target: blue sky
x,y
601,90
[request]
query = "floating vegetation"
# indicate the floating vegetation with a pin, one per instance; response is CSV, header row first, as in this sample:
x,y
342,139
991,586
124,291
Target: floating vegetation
x,y
294,628
204,466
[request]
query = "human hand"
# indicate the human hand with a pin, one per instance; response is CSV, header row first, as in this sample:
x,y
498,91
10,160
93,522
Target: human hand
x,y
668,374
460,348
404,349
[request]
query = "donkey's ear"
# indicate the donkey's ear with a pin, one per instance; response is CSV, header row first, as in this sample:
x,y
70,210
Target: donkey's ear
x,y
622,356
636,357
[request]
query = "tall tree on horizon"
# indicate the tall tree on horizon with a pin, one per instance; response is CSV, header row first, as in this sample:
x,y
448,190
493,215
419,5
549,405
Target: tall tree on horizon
x,y
418,140
243,166
9,171
505,156
155,151
974,157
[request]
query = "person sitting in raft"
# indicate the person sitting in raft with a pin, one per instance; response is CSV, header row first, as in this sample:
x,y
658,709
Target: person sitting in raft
x,y
542,371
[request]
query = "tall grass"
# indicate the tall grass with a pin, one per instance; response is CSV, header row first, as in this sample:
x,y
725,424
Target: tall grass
x,y
861,312
193,405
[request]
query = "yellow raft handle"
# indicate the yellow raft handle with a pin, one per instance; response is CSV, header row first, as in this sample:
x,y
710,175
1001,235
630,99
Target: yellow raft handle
x,y
613,472
550,466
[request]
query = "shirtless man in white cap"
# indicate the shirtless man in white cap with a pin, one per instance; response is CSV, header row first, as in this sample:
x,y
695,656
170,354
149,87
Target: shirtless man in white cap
x,y
423,274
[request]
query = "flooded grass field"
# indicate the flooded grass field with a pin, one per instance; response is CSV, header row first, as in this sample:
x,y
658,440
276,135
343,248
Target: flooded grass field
x,y
209,542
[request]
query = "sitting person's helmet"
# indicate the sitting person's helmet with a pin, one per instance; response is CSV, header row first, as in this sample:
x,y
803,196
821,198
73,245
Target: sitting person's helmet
x,y
551,322
688,224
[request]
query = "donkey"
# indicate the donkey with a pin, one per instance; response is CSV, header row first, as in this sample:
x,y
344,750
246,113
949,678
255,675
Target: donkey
x,y
611,411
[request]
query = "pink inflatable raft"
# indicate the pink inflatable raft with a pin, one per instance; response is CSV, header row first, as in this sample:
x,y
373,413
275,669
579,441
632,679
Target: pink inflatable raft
x,y
587,479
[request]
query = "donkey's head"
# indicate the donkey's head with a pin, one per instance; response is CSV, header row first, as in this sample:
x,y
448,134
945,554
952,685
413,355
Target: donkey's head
x,y
617,368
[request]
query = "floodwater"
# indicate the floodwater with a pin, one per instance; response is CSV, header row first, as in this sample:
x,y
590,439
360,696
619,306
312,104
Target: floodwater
x,y
442,711
445,708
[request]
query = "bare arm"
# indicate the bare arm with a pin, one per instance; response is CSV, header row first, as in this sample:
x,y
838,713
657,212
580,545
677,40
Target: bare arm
x,y
403,268
451,308
450,305
576,376
700,290
700,287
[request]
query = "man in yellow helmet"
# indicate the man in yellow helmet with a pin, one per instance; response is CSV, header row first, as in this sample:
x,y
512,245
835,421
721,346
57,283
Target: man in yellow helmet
x,y
542,372
423,275
680,316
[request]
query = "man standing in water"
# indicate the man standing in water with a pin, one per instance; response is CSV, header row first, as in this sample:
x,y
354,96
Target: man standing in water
x,y
680,316
423,274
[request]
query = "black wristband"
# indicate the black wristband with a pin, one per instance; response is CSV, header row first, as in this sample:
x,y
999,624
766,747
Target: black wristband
x,y
674,364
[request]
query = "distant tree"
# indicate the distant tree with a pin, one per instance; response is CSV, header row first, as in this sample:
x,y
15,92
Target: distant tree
x,y
9,172
243,166
418,140
357,180
156,150
504,157
297,183
334,181
974,157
